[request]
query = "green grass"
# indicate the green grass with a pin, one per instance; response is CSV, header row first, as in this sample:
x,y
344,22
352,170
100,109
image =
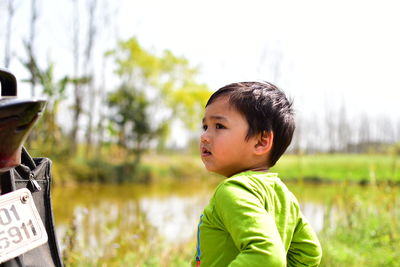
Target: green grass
x,y
366,231
340,167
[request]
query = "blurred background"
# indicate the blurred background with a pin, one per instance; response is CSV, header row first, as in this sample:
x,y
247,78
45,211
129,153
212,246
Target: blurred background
x,y
126,83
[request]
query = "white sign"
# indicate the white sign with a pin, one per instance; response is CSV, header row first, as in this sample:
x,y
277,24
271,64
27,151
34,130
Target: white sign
x,y
21,228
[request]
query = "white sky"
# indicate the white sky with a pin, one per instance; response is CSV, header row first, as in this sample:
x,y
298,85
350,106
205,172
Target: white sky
x,y
330,51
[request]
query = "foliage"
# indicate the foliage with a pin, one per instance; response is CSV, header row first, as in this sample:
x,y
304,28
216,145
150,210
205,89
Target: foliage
x,y
54,91
155,91
165,81
365,232
133,122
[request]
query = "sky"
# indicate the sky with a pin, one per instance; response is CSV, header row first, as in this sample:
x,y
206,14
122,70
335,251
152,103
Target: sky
x,y
322,53
328,52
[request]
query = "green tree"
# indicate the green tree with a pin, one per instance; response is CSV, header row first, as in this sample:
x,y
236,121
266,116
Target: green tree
x,y
163,86
134,129
48,133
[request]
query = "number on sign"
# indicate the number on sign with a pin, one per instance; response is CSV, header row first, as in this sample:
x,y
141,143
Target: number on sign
x,y
15,232
14,210
27,227
5,217
4,243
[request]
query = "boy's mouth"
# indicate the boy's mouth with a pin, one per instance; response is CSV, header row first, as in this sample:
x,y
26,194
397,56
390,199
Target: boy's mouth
x,y
205,152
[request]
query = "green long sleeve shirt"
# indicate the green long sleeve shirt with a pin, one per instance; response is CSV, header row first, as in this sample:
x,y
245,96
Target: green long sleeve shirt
x,y
254,220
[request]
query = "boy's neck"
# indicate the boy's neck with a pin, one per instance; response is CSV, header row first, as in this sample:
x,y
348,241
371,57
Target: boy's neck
x,y
259,169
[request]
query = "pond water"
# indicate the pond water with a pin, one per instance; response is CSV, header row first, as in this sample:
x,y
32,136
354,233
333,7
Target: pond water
x,y
102,217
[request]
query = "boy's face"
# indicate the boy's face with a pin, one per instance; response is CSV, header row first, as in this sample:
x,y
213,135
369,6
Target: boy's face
x,y
223,145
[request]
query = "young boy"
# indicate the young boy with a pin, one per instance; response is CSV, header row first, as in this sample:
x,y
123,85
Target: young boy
x,y
252,219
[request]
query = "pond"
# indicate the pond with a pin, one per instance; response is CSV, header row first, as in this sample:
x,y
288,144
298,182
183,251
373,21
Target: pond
x,y
106,221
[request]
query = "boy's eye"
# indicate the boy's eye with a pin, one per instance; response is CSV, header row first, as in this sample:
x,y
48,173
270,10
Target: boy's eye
x,y
220,126
204,127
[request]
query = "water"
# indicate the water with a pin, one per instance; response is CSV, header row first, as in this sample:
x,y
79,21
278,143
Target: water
x,y
101,214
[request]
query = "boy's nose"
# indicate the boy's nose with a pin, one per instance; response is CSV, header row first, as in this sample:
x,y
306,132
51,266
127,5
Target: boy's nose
x,y
204,138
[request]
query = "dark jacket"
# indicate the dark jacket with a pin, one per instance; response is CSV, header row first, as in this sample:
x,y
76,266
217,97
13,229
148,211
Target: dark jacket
x,y
35,174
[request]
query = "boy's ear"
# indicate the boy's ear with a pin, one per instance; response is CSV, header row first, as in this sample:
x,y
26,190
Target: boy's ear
x,y
264,143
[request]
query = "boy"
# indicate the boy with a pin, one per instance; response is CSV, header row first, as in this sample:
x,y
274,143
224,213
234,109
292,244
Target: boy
x,y
252,219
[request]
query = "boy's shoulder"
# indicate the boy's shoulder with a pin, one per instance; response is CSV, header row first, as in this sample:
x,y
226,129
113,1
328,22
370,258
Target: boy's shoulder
x,y
247,189
250,181
253,178
262,184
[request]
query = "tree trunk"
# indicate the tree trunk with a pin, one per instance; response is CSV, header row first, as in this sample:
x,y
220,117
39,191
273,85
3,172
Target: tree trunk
x,y
77,107
89,72
7,45
31,45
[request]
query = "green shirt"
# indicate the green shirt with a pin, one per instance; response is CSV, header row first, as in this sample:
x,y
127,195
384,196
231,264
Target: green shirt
x,y
254,220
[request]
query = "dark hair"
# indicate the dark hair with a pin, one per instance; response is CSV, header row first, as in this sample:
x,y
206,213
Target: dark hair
x,y
265,108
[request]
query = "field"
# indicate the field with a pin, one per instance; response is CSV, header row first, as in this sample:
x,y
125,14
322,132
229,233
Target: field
x,y
361,168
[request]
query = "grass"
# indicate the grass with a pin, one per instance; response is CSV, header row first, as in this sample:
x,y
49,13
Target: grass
x,y
366,232
362,168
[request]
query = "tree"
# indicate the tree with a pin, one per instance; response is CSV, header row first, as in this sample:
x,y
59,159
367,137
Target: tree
x,y
55,93
180,92
89,72
48,133
166,81
132,120
78,94
85,37
343,129
30,46
11,6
